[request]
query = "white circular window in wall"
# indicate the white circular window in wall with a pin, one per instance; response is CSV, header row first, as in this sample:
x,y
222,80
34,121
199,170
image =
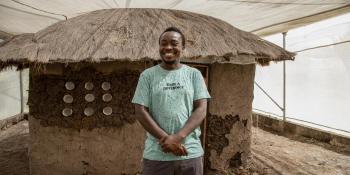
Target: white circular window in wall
x,y
89,111
68,98
89,97
106,86
67,112
89,86
107,97
107,111
69,85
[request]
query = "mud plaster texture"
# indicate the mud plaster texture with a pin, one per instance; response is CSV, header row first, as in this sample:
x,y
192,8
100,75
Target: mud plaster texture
x,y
47,91
229,120
98,144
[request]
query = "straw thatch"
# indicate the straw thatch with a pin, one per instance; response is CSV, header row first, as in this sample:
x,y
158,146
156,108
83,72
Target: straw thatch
x,y
132,34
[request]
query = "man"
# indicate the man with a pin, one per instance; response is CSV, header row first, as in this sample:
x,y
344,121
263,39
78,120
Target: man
x,y
170,103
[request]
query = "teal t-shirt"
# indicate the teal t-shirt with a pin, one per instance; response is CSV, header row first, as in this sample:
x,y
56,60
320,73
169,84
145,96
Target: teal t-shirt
x,y
169,95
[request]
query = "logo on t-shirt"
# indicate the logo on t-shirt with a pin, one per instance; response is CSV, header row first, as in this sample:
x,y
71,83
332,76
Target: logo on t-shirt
x,y
173,86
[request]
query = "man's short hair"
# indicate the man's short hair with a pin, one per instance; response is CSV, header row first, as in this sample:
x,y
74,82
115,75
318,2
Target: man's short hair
x,y
175,29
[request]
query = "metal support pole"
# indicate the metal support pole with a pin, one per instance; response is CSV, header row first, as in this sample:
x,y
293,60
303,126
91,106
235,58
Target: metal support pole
x,y
281,108
21,89
284,79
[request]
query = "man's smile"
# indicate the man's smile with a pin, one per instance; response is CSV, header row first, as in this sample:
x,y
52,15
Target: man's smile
x,y
169,54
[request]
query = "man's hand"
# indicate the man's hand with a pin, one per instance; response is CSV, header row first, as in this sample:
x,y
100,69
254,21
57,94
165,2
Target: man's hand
x,y
172,143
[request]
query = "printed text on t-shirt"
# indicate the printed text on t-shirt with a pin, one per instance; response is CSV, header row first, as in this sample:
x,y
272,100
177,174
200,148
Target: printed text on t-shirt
x,y
173,86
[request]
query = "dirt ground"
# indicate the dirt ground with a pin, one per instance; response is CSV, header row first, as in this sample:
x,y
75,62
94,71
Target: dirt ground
x,y
281,155
274,154
13,150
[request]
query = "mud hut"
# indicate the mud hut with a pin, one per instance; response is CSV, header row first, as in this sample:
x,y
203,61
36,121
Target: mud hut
x,y
83,73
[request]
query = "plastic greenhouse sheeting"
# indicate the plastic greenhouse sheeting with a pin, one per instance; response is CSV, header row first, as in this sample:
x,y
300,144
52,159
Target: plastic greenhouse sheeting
x,y
261,17
9,94
10,100
318,81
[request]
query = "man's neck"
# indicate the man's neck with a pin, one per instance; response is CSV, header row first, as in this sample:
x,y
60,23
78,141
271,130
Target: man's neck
x,y
174,66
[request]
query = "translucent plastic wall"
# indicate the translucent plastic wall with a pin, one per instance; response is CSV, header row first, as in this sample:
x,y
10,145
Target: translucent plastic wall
x,y
318,81
250,15
10,96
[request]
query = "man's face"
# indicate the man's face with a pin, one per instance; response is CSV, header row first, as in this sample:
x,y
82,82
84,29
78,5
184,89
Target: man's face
x,y
170,46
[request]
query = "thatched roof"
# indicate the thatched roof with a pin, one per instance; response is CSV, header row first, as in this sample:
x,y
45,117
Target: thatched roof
x,y
132,34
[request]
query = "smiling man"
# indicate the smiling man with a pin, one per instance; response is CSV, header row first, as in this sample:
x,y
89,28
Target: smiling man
x,y
170,103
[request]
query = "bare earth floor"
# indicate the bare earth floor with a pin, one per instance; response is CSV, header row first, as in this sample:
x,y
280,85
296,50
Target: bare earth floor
x,y
14,150
274,154
289,157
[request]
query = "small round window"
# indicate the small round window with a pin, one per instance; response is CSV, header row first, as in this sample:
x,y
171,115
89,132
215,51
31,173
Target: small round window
x,y
107,97
67,112
107,111
89,97
89,86
89,111
106,86
68,98
69,85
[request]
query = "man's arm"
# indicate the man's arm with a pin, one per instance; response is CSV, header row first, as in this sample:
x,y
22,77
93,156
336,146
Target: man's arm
x,y
143,116
198,115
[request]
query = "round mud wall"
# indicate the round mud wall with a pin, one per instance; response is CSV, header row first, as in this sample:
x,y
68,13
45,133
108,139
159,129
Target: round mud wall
x,y
229,120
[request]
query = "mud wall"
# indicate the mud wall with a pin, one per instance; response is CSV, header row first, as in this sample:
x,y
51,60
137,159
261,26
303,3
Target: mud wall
x,y
47,93
229,119
84,143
